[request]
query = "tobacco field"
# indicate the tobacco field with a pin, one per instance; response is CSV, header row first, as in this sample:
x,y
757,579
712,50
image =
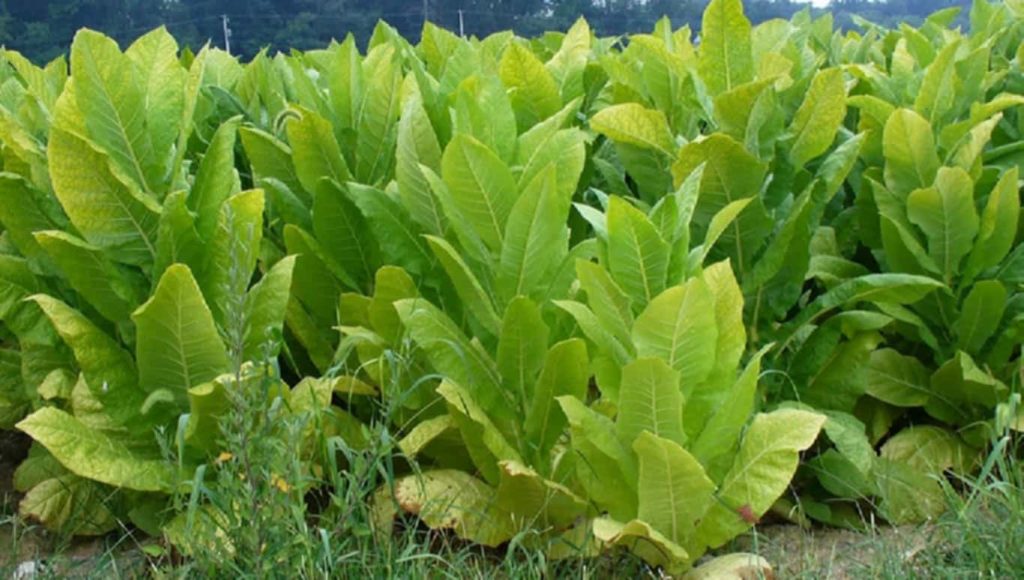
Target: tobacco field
x,y
628,294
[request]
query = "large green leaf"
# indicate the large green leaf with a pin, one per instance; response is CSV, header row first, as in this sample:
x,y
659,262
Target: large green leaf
x,y
418,144
315,152
980,315
536,501
897,379
638,257
911,160
21,215
109,370
344,235
467,285
398,236
377,116
679,327
216,180
931,450
878,288
946,214
113,104
819,116
178,241
522,345
483,110
908,496
482,187
178,346
674,491
565,372
162,78
536,238
606,299
998,226
533,91
107,288
730,174
465,408
232,252
606,468
725,59
720,428
702,398
650,400
452,354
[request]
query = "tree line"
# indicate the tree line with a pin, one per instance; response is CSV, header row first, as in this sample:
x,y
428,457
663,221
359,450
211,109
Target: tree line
x,y
43,29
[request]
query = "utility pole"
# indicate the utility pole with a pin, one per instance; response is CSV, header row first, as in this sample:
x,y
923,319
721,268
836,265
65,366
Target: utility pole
x,y
462,29
227,33
425,15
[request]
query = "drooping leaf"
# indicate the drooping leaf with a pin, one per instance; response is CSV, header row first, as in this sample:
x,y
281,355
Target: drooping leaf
x,y
107,212
94,455
761,471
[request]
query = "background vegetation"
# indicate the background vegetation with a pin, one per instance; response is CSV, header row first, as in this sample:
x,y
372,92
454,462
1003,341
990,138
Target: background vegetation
x,y
43,29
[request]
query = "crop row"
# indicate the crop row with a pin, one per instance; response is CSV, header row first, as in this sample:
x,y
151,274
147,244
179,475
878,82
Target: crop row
x,y
615,291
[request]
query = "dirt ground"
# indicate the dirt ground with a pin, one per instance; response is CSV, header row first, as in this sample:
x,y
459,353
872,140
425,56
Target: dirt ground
x,y
837,554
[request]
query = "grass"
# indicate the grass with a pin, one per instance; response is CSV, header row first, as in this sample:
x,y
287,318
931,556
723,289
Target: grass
x,y
272,523
980,536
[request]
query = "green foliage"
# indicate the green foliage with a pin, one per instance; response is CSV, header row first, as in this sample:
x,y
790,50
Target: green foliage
x,y
590,293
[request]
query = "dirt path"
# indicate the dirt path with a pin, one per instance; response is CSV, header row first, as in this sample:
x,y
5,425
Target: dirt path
x,y
828,553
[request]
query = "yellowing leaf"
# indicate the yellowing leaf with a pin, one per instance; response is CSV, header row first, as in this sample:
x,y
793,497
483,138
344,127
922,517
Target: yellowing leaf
x,y
534,93
446,499
106,211
819,116
762,469
633,124
911,160
94,455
